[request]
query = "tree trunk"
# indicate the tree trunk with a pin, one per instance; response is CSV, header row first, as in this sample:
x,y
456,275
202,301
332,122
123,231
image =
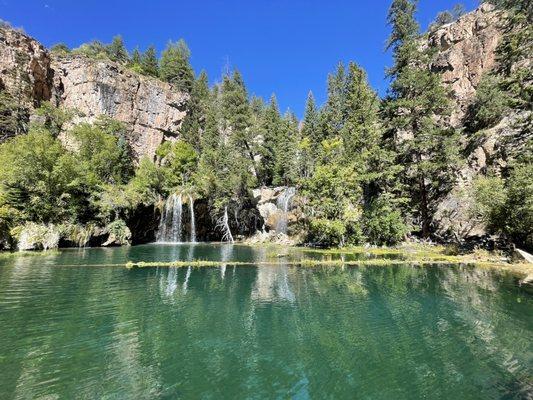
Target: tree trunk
x,y
424,207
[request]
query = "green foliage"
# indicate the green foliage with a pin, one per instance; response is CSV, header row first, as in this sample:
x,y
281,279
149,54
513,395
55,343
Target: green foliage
x,y
95,50
149,64
519,204
489,106
489,196
325,232
506,206
179,164
447,17
104,157
148,183
60,49
175,67
383,224
13,117
54,118
119,232
37,175
116,51
415,111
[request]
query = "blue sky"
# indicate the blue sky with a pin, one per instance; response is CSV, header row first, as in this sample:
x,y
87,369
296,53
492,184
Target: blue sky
x,y
282,46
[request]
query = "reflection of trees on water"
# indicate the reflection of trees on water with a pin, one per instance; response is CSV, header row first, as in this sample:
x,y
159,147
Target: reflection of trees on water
x,y
496,333
316,332
272,283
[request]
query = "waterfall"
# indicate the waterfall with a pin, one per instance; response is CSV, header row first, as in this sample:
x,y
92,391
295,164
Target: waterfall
x,y
284,204
170,224
193,222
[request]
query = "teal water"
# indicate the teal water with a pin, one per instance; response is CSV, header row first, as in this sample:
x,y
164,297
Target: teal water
x,y
73,331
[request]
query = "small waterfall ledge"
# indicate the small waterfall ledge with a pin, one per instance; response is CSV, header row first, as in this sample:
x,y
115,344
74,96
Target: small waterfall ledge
x,y
284,203
171,223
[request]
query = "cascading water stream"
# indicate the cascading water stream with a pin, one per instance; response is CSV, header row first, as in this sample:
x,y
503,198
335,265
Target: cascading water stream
x,y
193,222
284,203
170,224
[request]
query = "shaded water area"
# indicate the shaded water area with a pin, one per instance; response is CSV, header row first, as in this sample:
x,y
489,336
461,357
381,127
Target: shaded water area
x,y
266,331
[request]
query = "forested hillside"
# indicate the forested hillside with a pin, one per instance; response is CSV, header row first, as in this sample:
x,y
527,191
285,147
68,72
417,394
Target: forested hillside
x,y
419,163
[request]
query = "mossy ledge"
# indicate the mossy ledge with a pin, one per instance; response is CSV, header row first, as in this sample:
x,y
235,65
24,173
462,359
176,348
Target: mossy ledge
x,y
522,271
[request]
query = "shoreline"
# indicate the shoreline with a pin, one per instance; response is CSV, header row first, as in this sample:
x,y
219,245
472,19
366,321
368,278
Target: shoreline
x,y
406,253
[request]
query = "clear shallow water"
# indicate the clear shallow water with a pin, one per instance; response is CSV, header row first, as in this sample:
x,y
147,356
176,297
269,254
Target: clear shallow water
x,y
278,331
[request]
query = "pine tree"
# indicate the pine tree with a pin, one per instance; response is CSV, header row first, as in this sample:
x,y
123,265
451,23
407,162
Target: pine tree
x,y
136,57
311,128
334,111
271,126
117,52
195,121
310,144
175,67
286,167
149,63
415,109
360,131
237,118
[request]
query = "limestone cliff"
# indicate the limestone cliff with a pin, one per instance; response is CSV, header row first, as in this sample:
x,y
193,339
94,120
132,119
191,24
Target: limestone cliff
x,y
151,110
466,50
24,67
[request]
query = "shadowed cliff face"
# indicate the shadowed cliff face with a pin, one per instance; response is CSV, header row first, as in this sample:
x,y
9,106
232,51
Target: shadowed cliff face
x,y
151,110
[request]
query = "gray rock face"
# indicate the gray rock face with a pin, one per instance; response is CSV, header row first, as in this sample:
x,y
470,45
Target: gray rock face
x,y
151,110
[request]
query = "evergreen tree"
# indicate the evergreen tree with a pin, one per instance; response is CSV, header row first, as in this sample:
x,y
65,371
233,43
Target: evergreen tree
x,y
237,119
360,131
311,129
334,111
286,167
136,57
175,67
117,52
271,127
311,134
195,121
415,108
149,63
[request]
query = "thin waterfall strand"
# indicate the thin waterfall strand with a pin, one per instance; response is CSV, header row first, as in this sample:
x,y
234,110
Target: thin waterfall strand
x,y
176,219
193,222
284,203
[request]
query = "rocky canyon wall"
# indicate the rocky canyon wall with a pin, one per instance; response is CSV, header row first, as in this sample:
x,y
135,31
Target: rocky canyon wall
x,y
151,110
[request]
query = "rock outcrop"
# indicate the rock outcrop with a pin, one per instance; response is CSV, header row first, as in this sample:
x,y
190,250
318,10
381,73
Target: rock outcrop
x,y
151,110
24,67
466,50
278,207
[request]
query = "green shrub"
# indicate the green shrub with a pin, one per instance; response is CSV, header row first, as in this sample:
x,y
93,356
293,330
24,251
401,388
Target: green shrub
x,y
489,106
326,232
119,232
383,225
32,236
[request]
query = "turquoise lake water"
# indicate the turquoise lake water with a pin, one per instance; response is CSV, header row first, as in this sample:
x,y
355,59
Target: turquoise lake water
x,y
73,329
